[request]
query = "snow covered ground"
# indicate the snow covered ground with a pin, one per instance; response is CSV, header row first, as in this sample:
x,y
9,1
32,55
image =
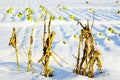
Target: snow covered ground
x,y
105,16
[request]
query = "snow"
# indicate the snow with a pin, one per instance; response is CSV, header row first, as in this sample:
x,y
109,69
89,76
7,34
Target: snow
x,y
105,16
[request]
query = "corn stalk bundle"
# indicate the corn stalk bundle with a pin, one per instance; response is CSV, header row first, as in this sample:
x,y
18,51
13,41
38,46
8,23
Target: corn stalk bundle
x,y
90,55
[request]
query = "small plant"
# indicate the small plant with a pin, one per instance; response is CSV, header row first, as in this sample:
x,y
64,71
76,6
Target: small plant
x,y
29,10
52,18
108,39
110,29
118,12
119,35
117,1
101,34
64,8
61,18
75,36
72,17
29,18
87,2
43,9
20,15
29,14
64,42
41,6
90,9
10,10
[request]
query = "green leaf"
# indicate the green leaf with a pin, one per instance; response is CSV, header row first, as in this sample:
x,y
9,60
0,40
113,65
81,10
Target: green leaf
x,y
101,34
47,12
116,1
119,35
64,42
111,30
75,36
28,15
90,9
108,39
87,2
30,12
20,15
29,18
72,17
52,17
28,9
41,6
44,10
118,12
61,18
10,11
64,8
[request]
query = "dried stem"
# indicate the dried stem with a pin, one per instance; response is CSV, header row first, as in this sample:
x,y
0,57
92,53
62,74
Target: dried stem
x,y
13,43
59,57
44,31
77,71
30,53
90,55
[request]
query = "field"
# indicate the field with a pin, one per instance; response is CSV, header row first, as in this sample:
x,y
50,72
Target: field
x,y
106,15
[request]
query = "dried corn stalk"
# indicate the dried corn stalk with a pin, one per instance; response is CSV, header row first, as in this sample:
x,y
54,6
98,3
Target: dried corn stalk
x,y
77,69
13,43
30,65
44,35
46,50
46,56
90,55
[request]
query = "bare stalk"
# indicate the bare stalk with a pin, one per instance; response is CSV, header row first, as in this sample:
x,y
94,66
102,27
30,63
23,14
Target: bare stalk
x,y
44,31
90,55
13,43
30,65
